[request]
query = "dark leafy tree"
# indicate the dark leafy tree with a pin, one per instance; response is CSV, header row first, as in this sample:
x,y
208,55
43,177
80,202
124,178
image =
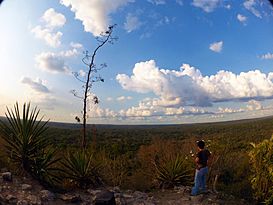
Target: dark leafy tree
x,y
91,77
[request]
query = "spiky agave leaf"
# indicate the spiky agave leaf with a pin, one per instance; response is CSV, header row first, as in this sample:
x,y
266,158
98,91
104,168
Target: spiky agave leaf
x,y
24,136
173,172
45,169
81,168
26,142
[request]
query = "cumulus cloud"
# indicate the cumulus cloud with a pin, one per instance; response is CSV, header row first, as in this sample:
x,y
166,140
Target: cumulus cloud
x,y
132,23
206,5
254,105
250,5
56,62
47,32
216,46
241,18
53,39
95,14
53,19
189,87
35,85
267,56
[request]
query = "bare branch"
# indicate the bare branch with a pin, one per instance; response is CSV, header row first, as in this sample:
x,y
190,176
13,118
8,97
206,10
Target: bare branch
x,y
90,78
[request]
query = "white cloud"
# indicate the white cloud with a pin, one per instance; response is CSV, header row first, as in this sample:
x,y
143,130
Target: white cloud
x,y
216,46
56,62
124,98
254,105
267,56
132,23
250,5
47,32
188,86
206,5
225,110
95,14
51,38
157,2
35,85
53,19
241,18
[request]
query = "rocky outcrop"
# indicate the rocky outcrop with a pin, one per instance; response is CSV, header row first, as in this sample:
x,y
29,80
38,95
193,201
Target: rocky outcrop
x,y
24,191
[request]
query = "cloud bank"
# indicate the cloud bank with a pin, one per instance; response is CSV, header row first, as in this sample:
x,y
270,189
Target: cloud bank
x,y
188,87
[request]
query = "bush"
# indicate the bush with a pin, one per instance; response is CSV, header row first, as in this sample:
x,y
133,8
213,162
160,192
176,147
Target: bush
x,y
26,142
167,163
81,169
173,172
261,159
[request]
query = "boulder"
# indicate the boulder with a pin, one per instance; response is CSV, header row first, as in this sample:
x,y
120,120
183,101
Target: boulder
x,y
47,195
71,198
105,198
33,200
26,187
7,177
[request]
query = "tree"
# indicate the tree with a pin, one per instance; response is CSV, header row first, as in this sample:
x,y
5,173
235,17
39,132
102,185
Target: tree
x,y
91,77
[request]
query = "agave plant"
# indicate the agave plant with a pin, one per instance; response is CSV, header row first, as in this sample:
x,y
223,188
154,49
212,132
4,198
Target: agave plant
x,y
172,172
26,142
45,169
24,137
81,169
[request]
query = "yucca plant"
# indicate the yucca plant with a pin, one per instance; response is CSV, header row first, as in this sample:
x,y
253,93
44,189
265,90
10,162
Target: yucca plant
x,y
45,168
24,137
81,169
25,141
172,172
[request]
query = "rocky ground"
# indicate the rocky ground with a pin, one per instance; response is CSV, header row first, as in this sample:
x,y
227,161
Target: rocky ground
x,y
24,191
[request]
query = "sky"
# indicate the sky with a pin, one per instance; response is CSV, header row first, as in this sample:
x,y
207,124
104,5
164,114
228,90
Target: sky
x,y
175,61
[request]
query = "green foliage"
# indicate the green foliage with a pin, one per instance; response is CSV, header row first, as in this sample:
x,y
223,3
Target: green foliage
x,y
24,137
173,172
81,169
261,159
26,142
46,168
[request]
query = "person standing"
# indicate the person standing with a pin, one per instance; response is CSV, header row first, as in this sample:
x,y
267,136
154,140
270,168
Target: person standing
x,y
201,169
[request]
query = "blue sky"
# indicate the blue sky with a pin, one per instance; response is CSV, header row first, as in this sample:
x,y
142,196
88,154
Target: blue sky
x,y
176,61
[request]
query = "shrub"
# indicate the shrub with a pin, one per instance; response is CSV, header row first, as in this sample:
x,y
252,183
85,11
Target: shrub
x,y
261,159
115,169
166,162
173,172
26,143
81,169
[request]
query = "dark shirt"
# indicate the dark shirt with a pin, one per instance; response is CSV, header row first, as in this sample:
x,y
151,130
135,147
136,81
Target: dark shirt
x,y
203,157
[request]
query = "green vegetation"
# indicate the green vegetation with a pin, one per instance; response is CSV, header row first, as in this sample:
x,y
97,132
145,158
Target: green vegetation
x,y
27,144
173,172
81,169
142,157
261,158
